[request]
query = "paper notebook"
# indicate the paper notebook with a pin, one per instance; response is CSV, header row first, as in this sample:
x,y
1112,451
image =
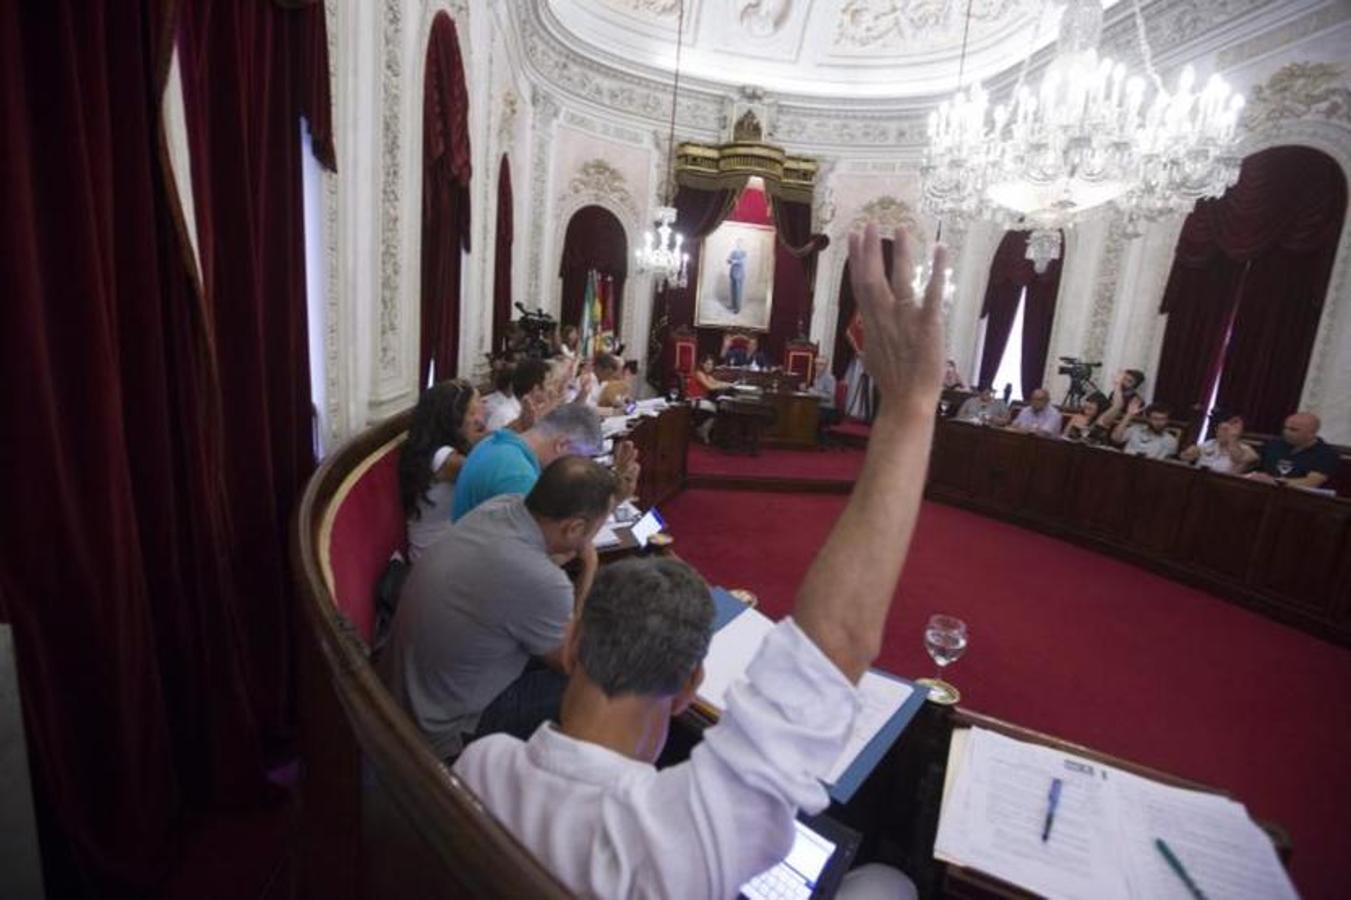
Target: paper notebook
x,y
889,703
1101,841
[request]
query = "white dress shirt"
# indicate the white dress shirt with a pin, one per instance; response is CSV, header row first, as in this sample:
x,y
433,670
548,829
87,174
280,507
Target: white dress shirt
x,y
611,826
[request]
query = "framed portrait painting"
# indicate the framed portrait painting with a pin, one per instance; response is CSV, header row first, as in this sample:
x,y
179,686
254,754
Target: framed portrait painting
x,y
735,286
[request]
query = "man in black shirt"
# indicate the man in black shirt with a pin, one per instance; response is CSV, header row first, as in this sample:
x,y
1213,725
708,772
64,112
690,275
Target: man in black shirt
x,y
1300,457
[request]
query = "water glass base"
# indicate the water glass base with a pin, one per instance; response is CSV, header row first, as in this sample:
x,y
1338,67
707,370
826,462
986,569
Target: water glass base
x,y
940,691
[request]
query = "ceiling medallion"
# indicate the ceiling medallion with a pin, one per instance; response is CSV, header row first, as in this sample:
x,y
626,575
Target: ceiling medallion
x,y
1089,136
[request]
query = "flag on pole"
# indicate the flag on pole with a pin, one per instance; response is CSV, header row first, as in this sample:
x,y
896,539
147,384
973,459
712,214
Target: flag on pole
x,y
605,313
589,319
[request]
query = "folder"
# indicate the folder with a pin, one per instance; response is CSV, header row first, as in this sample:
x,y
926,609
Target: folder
x,y
889,702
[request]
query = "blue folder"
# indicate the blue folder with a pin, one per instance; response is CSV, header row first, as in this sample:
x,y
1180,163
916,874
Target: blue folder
x,y
727,608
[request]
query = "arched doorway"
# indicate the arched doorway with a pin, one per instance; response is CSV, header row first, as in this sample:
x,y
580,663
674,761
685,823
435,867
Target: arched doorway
x,y
594,242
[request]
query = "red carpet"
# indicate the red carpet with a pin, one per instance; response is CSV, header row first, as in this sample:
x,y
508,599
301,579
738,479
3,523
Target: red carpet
x,y
1079,645
836,464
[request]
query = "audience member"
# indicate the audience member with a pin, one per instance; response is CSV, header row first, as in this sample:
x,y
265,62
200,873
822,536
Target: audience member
x,y
447,423
583,794
615,390
1082,425
501,395
984,408
527,388
1128,384
487,598
703,390
1039,416
569,340
509,463
952,379
1225,452
1150,438
750,355
1299,457
823,387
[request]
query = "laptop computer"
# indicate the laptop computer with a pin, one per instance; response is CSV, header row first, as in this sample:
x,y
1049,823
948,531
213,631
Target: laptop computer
x,y
823,850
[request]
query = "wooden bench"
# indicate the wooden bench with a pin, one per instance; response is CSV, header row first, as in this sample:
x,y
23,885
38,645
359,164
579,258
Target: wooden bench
x,y
381,816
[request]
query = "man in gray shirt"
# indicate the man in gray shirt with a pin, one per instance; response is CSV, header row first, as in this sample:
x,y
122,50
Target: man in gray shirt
x,y
486,598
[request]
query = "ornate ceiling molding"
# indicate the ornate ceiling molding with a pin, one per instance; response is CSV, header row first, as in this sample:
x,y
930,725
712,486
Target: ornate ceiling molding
x,y
597,180
1300,90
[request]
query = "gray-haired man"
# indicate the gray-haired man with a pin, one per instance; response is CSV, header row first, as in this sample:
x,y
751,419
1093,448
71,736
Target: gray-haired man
x,y
584,796
510,463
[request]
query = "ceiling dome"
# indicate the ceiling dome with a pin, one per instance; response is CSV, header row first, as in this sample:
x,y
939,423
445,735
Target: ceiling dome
x,y
852,49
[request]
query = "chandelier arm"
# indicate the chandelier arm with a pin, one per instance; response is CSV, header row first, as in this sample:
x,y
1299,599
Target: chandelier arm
x,y
966,30
1147,57
1027,60
675,93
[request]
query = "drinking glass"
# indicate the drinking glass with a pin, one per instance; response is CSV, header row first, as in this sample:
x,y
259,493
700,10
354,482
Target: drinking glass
x,y
1284,467
945,639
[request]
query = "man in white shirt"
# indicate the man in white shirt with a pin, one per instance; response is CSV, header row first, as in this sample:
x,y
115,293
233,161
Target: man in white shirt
x,y
1039,416
1150,438
527,386
583,794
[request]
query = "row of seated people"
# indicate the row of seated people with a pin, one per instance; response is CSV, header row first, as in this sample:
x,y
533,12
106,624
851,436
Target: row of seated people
x,y
1299,457
534,404
552,697
703,388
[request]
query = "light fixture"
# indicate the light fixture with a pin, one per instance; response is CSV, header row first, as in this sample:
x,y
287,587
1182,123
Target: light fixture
x,y
661,255
1090,135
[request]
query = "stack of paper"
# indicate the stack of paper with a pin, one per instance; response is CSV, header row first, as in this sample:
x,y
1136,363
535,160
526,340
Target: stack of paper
x,y
1102,839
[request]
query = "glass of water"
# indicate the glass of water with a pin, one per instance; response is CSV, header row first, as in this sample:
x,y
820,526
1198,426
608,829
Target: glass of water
x,y
945,639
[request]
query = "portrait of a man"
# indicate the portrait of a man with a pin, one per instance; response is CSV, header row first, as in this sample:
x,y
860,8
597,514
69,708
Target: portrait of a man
x,y
736,277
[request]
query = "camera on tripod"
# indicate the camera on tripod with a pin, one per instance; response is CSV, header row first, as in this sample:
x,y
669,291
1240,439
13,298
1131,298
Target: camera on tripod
x,y
1081,378
535,338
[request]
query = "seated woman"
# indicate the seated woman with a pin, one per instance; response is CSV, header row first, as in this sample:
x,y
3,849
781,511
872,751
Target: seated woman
x,y
702,392
1225,452
447,423
1083,425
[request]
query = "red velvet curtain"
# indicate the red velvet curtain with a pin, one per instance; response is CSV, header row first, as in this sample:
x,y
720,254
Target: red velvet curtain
x,y
796,251
502,255
594,240
445,198
698,214
1253,265
143,539
844,351
1010,273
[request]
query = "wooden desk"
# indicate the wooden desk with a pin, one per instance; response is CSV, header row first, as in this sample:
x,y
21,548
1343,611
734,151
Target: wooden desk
x,y
1279,550
661,442
776,380
791,417
897,807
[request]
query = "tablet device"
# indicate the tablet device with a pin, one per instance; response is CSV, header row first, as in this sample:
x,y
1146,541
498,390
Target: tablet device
x,y
822,852
648,525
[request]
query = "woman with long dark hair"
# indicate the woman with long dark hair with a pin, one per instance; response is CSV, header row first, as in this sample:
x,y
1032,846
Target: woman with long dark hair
x,y
447,423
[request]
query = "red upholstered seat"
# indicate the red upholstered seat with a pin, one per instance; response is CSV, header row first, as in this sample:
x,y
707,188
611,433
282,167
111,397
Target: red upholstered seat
x,y
367,527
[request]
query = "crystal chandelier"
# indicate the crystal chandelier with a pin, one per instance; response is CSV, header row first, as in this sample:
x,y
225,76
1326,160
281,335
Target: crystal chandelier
x,y
1090,135
661,255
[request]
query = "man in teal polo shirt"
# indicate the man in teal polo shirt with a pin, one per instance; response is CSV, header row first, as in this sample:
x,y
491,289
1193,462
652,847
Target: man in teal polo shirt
x,y
509,463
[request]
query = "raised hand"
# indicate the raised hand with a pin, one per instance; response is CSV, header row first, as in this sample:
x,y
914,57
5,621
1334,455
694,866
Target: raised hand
x,y
904,332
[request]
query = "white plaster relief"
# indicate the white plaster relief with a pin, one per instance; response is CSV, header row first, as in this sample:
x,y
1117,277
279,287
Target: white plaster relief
x,y
390,192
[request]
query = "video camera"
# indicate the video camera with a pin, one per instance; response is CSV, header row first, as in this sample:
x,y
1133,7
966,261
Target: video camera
x,y
1081,378
535,338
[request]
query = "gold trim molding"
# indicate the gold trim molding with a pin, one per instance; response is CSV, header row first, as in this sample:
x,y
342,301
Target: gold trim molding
x,y
723,166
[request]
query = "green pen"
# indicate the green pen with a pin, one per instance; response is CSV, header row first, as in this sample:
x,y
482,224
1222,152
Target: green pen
x,y
1176,865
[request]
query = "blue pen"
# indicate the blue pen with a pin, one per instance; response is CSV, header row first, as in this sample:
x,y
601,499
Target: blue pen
x,y
1051,803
